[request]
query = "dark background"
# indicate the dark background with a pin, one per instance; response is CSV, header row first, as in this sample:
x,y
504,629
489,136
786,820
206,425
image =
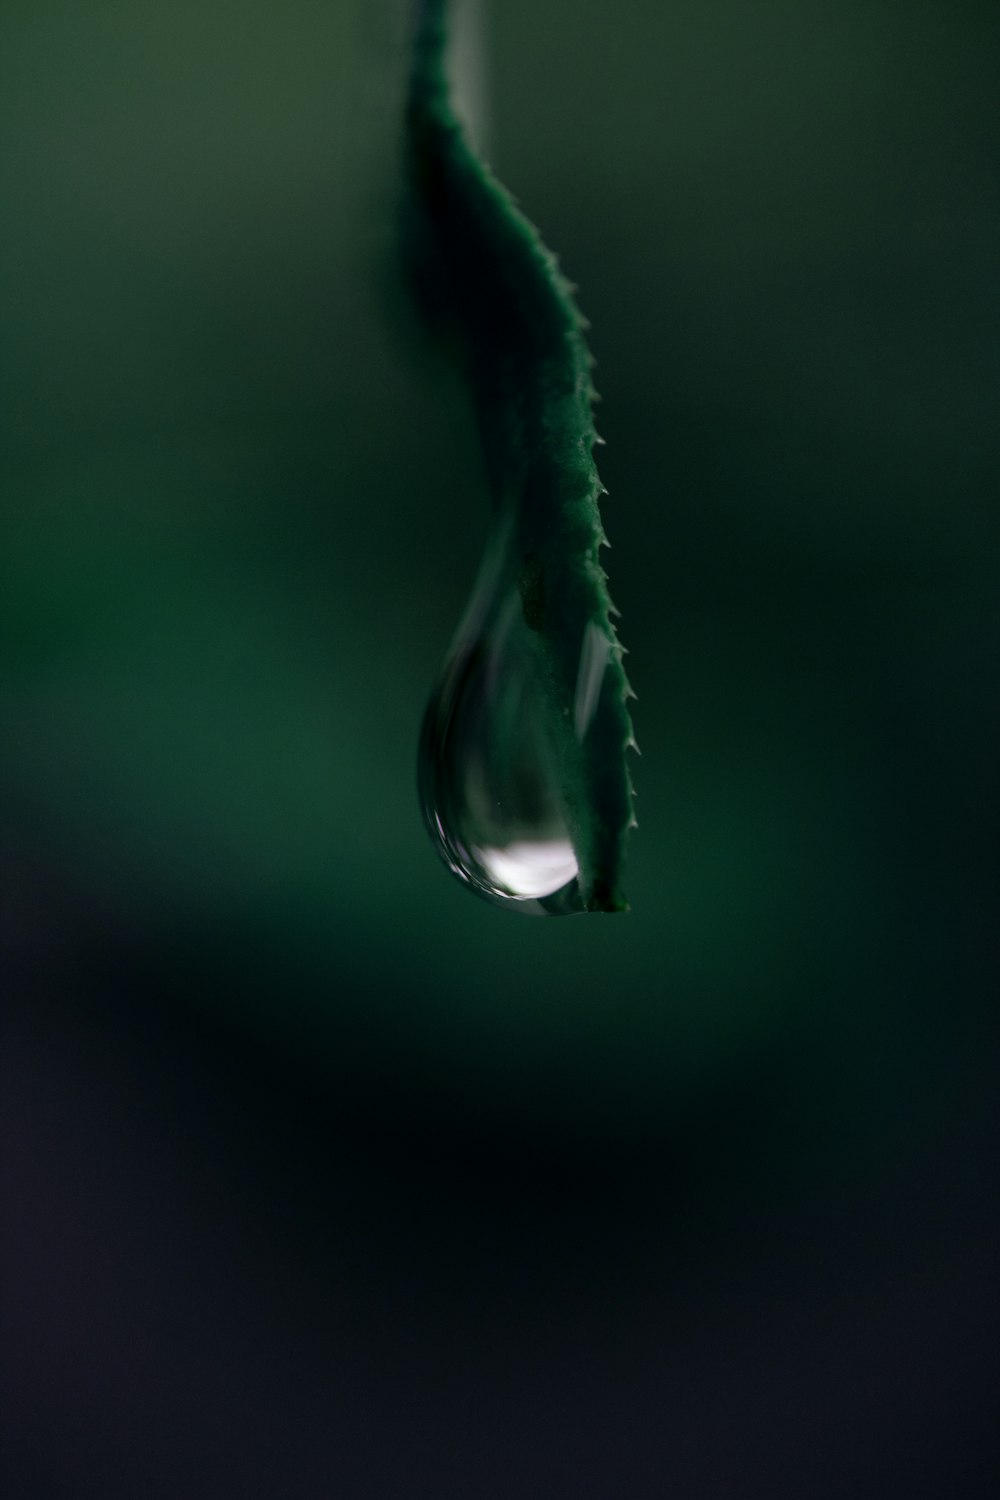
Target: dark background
x,y
321,1177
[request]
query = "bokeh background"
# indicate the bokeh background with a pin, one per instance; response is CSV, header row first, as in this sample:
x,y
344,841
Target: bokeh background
x,y
321,1177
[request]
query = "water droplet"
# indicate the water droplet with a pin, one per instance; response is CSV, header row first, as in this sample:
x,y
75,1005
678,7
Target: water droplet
x,y
490,781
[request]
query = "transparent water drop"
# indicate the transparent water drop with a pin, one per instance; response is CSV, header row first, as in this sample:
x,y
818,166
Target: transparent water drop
x,y
490,780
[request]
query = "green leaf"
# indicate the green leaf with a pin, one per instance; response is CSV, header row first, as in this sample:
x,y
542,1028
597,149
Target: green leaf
x,y
490,283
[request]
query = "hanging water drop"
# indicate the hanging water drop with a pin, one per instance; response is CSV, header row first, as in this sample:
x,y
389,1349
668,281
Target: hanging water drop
x,y
494,777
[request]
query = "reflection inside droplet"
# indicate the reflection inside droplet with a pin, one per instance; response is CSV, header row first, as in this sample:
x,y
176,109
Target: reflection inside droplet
x,y
527,869
594,657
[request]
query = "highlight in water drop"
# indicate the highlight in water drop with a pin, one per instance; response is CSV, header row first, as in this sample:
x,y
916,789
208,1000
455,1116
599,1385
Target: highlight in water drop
x,y
493,776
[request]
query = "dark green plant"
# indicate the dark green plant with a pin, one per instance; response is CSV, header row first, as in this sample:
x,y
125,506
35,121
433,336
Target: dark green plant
x,y
534,695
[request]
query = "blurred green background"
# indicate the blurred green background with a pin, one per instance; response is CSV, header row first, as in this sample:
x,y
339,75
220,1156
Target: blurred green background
x,y
242,507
